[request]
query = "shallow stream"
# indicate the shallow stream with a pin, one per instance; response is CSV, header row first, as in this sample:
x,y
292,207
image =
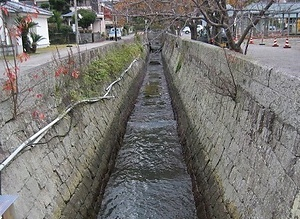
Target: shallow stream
x,y
150,179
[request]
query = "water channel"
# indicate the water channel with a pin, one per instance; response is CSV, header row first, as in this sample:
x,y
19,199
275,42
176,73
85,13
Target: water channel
x,y
150,179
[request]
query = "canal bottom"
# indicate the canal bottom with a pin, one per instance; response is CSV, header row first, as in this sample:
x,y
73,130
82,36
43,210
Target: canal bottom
x,y
150,178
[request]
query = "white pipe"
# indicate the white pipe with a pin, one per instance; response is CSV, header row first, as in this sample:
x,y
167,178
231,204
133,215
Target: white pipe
x,y
43,131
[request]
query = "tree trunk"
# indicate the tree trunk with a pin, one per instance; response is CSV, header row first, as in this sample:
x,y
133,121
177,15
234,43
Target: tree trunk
x,y
193,28
26,44
33,47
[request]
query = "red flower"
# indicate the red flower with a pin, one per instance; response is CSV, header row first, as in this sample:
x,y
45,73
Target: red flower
x,y
39,95
4,10
23,57
75,74
35,114
61,70
9,85
11,74
42,116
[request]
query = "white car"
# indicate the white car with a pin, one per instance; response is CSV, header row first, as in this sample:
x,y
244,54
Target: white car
x,y
112,34
199,28
187,29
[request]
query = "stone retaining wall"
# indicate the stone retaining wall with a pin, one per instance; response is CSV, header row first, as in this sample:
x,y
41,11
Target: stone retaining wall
x,y
64,176
239,123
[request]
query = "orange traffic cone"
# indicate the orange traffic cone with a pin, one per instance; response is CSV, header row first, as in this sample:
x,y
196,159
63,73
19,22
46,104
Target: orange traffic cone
x,y
275,44
287,45
251,41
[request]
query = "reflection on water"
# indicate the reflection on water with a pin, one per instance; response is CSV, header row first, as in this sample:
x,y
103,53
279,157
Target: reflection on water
x,y
150,178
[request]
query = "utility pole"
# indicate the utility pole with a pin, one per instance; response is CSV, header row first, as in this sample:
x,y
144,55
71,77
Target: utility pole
x,y
114,19
76,22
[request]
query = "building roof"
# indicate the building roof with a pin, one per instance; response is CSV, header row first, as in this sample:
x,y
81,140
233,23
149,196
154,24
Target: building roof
x,y
18,7
70,14
276,8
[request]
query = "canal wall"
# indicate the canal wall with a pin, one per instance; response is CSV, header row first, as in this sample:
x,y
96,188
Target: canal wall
x,y
239,125
63,176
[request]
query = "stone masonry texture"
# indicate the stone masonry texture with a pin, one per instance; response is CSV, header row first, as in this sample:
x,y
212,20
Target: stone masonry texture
x,y
64,177
239,124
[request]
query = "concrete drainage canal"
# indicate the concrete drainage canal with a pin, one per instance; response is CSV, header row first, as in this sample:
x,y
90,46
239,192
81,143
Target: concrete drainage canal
x,y
150,178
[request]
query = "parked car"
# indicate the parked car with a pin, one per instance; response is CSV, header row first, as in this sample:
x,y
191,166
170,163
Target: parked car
x,y
199,28
187,29
112,34
272,28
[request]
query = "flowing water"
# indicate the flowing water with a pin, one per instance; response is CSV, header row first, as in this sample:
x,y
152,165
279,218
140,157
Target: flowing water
x,y
150,179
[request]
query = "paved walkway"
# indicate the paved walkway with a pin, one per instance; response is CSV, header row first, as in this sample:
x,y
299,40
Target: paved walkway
x,y
43,57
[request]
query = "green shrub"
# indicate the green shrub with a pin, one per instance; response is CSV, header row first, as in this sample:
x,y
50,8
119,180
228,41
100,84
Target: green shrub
x,y
108,67
65,29
45,6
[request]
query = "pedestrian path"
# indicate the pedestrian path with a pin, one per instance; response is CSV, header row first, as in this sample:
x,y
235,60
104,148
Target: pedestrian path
x,y
41,58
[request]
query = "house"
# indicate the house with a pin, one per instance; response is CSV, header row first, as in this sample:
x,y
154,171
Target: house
x,y
107,10
99,25
35,2
14,9
103,9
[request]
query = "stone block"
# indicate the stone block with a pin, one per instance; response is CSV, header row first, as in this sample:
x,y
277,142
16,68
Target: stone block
x,y
258,131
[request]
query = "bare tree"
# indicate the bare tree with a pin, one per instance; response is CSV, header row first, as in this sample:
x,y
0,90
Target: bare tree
x,y
218,14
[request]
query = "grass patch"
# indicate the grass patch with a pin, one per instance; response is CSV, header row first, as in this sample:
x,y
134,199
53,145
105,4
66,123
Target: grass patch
x,y
51,48
108,67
